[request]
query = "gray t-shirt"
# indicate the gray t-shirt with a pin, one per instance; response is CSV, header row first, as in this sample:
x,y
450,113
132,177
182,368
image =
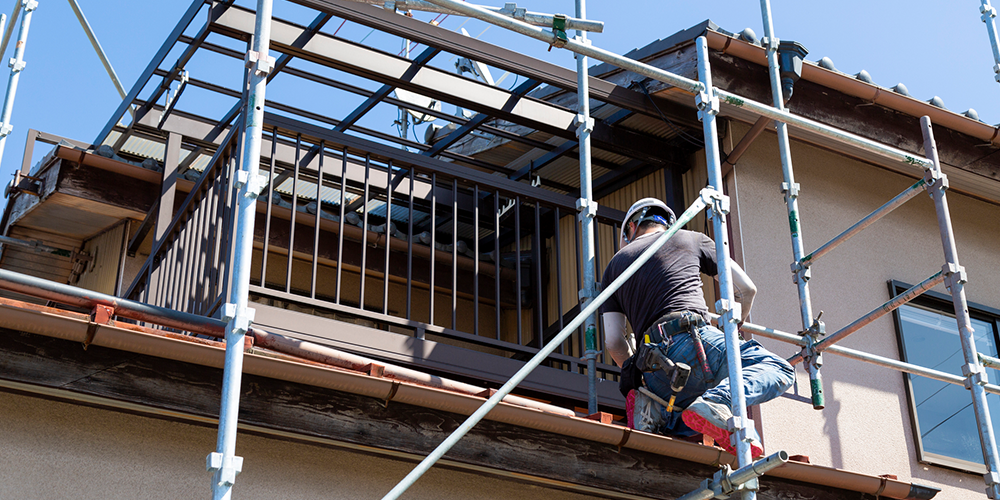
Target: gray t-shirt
x,y
668,282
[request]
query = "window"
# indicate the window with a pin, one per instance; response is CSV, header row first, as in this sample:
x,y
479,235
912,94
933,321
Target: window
x,y
944,423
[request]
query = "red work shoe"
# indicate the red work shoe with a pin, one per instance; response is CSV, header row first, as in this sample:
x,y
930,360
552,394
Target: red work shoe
x,y
711,420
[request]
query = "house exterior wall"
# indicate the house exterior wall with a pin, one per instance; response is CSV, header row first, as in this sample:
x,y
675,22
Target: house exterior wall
x,y
866,425
53,449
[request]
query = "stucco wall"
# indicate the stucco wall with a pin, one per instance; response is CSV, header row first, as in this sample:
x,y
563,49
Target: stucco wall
x,y
52,449
866,424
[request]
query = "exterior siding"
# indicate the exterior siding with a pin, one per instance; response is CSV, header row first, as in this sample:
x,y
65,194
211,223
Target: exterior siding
x,y
866,424
53,449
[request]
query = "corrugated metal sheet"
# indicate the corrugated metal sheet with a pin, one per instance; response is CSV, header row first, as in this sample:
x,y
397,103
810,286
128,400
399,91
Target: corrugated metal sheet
x,y
101,274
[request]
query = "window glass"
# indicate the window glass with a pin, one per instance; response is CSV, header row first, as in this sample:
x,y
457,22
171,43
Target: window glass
x,y
945,420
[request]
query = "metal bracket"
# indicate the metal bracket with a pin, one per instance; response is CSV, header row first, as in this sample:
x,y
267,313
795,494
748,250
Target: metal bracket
x,y
586,208
510,9
707,101
934,179
988,12
728,312
262,64
16,66
583,125
215,462
239,319
770,43
992,485
954,274
585,294
800,272
559,30
974,375
790,190
5,129
716,200
29,5
253,185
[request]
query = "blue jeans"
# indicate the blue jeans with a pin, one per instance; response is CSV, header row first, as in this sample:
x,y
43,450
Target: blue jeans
x,y
765,375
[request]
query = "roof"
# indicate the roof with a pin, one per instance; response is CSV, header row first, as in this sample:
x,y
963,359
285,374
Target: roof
x,y
368,378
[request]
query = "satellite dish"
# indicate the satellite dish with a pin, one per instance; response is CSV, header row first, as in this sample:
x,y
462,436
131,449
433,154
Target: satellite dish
x,y
419,101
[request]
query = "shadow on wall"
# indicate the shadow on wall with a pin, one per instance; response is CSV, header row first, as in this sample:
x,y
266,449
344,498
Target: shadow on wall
x,y
830,427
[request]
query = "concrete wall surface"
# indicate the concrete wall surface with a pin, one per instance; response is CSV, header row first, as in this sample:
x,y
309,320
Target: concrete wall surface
x,y
53,449
866,424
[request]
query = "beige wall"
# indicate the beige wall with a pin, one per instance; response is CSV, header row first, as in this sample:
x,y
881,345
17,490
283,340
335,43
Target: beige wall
x,y
53,449
866,424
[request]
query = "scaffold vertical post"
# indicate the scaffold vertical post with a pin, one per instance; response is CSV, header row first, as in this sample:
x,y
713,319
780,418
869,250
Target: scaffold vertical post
x,y
588,210
989,15
800,272
727,306
955,279
223,462
16,66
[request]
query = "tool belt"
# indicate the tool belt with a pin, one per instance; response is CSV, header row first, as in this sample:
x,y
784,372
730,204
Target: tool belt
x,y
671,324
650,357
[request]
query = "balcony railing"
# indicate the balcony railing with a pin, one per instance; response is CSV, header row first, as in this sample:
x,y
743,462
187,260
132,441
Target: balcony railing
x,y
388,238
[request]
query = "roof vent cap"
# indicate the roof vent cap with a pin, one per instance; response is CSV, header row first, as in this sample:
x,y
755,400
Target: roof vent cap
x,y
748,35
972,113
827,63
864,77
937,101
901,89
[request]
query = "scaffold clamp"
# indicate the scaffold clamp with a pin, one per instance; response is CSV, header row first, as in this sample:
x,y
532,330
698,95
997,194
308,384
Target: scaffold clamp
x,y
559,30
707,102
16,66
954,274
510,9
728,311
262,64
586,207
5,129
800,272
935,179
215,462
715,199
988,12
992,479
583,125
29,5
792,190
974,375
239,319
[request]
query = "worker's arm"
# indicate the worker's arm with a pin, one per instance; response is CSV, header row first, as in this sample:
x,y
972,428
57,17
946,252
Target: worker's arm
x,y
616,340
743,288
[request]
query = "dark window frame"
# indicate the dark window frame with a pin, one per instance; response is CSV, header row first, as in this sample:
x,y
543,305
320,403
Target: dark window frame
x,y
940,303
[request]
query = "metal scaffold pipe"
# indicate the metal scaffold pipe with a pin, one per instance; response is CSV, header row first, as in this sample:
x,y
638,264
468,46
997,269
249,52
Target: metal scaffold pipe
x,y
727,482
682,83
16,66
865,357
989,15
955,279
100,51
695,208
224,463
727,306
886,308
588,210
790,189
510,9
868,220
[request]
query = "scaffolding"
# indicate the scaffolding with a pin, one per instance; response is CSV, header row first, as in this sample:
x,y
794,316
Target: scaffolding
x,y
709,100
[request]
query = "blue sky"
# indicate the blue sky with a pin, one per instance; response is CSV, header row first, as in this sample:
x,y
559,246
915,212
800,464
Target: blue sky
x,y
935,48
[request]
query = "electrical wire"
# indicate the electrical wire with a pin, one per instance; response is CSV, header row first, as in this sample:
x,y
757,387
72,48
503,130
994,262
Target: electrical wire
x,y
694,141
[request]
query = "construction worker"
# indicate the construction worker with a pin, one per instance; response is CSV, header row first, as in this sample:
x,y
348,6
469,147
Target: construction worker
x,y
665,305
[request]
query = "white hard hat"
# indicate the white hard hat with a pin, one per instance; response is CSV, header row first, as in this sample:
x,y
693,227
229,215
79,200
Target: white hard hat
x,y
637,213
